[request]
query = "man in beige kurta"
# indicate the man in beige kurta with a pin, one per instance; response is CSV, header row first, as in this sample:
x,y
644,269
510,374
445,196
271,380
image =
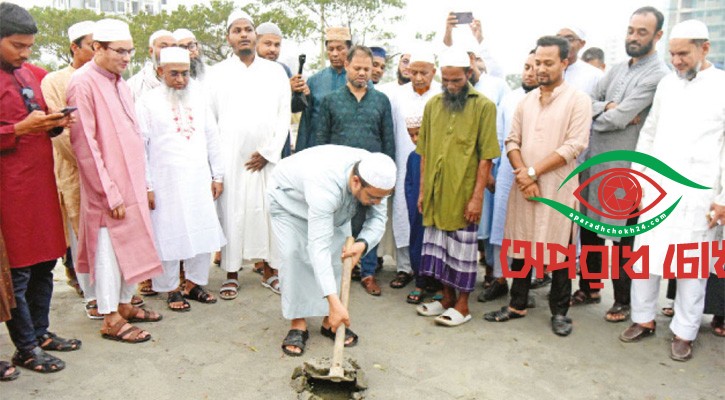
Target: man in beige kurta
x,y
54,87
549,130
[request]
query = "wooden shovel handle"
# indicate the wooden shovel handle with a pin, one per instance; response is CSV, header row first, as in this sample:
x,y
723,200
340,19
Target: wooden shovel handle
x,y
336,369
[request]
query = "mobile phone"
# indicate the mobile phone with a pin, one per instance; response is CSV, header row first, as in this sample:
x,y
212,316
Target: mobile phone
x,y
68,110
464,17
302,58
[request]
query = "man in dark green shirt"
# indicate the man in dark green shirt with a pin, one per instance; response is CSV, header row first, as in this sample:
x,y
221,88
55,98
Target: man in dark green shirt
x,y
357,115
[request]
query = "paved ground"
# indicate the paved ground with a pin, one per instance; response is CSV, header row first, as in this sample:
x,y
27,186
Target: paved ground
x,y
230,350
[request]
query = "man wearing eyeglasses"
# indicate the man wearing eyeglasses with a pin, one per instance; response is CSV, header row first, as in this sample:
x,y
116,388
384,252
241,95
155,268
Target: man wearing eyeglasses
x,y
30,216
187,40
148,77
116,242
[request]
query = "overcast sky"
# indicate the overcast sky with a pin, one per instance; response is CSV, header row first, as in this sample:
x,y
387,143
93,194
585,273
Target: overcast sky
x,y
510,27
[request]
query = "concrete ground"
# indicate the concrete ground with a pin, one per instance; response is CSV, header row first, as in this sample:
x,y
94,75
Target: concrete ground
x,y
231,350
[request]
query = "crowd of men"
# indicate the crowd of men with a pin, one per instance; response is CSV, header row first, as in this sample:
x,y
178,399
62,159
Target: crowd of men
x,y
138,183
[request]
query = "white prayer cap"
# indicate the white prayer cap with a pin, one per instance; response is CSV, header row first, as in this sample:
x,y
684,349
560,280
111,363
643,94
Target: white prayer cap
x,y
174,55
378,170
158,34
454,57
182,33
238,14
422,55
690,29
111,30
579,32
80,29
269,28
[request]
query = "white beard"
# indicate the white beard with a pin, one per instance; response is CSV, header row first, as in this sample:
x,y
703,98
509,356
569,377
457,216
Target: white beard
x,y
178,98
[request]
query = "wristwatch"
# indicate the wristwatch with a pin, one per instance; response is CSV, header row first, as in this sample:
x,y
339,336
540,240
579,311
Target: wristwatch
x,y
532,173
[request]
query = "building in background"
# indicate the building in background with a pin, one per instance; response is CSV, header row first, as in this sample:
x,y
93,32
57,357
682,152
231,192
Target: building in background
x,y
113,6
712,13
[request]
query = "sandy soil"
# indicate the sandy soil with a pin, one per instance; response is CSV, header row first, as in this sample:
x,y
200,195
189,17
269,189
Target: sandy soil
x,y
231,350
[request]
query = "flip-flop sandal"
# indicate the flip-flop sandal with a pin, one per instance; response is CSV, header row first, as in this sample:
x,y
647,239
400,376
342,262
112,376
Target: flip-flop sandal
x,y
229,292
432,309
270,284
52,342
452,317
148,316
199,294
349,334
297,338
621,311
502,315
580,298
415,297
4,376
89,311
176,297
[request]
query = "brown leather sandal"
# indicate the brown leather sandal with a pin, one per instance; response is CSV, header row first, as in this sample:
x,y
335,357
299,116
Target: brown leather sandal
x,y
132,334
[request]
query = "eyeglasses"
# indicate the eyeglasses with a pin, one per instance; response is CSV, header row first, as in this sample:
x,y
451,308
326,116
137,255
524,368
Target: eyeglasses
x,y
29,99
190,46
123,52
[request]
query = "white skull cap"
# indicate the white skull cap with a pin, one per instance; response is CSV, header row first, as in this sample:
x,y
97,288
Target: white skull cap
x,y
690,29
111,30
80,29
378,170
173,55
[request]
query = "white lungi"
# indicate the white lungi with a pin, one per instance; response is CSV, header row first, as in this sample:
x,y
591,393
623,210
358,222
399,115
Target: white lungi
x,y
111,288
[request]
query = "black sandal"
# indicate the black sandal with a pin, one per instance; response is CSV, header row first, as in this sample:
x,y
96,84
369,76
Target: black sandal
x,y
4,376
401,280
581,297
297,338
199,294
176,297
327,332
502,315
38,360
52,342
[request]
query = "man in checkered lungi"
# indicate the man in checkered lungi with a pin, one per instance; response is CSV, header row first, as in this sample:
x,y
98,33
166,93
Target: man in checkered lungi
x,y
457,141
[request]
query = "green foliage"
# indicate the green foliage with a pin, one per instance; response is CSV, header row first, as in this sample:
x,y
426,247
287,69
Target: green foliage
x,y
52,37
298,19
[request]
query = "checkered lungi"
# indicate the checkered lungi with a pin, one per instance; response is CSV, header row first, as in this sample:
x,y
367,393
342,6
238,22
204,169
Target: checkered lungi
x,y
451,256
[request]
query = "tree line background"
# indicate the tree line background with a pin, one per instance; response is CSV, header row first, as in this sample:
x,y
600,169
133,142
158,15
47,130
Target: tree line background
x,y
299,20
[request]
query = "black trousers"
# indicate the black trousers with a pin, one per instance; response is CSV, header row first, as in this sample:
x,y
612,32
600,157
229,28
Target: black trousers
x,y
623,285
560,294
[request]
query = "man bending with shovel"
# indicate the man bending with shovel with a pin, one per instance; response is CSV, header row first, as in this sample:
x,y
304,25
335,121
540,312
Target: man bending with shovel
x,y
313,196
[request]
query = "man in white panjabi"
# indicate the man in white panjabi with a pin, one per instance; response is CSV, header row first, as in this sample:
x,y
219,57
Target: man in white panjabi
x,y
250,101
184,176
410,99
312,197
685,130
148,78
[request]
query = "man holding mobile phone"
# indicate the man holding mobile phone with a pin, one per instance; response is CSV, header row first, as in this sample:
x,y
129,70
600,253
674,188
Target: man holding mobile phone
x,y
456,33
29,213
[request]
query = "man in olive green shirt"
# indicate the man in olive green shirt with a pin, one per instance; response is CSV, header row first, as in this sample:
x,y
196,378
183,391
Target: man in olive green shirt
x,y
457,141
